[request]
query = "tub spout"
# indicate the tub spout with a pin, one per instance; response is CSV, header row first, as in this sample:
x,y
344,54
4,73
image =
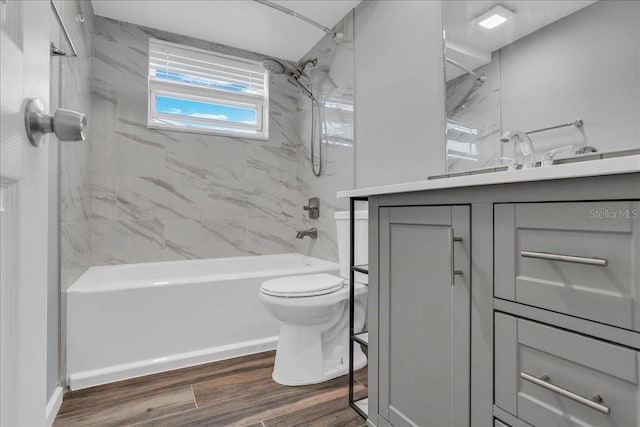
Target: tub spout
x,y
312,233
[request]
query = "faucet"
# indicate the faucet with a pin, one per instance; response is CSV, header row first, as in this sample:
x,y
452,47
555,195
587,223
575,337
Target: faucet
x,y
312,233
526,147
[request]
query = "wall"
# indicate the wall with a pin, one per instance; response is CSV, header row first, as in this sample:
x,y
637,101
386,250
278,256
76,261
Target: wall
x,y
71,83
583,66
332,81
399,77
164,195
75,157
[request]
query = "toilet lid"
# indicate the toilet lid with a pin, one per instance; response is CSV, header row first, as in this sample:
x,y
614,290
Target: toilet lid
x,y
302,286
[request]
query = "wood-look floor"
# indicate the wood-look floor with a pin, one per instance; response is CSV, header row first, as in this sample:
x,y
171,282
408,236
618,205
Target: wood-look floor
x,y
235,392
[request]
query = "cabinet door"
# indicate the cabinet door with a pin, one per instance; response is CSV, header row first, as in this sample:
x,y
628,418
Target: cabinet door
x,y
424,321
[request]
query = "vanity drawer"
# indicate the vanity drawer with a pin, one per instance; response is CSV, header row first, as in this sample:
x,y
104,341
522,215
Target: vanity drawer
x,y
579,259
547,376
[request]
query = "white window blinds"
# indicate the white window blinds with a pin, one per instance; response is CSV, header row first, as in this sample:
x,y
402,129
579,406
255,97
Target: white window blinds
x,y
201,91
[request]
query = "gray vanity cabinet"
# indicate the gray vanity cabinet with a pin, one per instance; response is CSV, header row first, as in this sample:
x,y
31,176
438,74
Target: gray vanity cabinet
x,y
548,376
424,324
576,258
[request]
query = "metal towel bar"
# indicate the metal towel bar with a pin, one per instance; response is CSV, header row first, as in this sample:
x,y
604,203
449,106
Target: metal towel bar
x,y
64,28
577,123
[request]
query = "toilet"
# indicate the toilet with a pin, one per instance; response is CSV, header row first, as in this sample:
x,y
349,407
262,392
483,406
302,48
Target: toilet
x,y
314,313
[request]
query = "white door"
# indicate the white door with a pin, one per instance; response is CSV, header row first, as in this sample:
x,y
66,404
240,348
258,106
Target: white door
x,y
24,62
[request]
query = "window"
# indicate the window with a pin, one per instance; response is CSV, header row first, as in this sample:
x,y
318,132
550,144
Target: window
x,y
194,90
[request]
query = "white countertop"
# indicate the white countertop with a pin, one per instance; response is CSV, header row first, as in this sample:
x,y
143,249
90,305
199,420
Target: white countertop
x,y
612,166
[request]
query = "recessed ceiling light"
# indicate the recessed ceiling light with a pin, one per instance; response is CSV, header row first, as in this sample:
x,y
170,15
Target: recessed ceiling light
x,y
494,17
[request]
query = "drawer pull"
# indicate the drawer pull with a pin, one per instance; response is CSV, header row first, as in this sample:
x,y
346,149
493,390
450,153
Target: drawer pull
x,y
565,258
594,403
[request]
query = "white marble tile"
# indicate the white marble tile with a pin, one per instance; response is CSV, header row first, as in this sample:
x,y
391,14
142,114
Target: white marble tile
x,y
103,196
120,242
75,157
204,238
182,195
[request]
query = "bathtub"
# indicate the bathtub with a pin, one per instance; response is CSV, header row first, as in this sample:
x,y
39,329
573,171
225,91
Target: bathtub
x,y
129,320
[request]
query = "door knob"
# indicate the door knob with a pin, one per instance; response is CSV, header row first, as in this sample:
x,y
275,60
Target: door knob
x,y
68,125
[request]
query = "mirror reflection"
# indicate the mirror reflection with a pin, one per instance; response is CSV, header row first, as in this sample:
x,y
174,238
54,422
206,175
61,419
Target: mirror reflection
x,y
530,81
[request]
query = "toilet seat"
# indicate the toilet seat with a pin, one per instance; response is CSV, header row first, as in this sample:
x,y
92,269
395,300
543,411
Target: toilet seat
x,y
302,286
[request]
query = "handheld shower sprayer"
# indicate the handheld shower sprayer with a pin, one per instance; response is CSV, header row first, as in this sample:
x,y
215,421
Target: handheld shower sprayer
x,y
293,76
276,67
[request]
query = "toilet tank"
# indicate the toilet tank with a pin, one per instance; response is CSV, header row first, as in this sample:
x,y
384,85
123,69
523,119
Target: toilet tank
x,y
361,242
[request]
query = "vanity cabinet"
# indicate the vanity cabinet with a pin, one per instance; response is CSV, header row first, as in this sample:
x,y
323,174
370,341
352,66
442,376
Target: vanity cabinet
x,y
547,376
578,258
424,315
512,304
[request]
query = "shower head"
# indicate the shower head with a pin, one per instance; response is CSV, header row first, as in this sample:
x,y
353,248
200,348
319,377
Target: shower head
x,y
273,66
276,67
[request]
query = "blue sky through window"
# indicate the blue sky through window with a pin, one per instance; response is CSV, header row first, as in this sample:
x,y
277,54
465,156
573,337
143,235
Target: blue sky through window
x,y
205,110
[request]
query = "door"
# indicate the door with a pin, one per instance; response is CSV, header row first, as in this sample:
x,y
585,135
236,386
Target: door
x,y
24,62
425,315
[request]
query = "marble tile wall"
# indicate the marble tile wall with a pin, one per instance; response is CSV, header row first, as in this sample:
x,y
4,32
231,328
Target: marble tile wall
x,y
473,119
333,85
75,157
163,195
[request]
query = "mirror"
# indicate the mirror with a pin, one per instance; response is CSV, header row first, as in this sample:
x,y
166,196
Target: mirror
x,y
529,65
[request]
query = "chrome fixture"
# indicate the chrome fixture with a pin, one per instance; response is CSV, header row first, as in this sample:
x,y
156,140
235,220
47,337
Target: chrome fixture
x,y
337,36
68,125
565,258
294,74
313,207
577,123
594,402
276,67
311,233
586,149
550,156
58,52
526,147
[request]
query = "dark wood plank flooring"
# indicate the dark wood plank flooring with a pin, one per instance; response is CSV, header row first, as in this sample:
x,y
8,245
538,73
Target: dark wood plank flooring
x,y
235,392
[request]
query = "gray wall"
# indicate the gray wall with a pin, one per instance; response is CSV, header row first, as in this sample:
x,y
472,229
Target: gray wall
x,y
583,66
399,77
166,195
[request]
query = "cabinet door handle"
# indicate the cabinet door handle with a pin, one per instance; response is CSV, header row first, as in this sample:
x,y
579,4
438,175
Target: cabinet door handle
x,y
594,403
565,258
454,272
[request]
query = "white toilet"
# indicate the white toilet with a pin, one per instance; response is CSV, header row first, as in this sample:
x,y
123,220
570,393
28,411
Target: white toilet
x,y
314,310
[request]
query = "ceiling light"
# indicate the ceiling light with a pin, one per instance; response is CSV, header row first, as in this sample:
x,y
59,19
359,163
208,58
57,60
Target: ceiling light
x,y
494,17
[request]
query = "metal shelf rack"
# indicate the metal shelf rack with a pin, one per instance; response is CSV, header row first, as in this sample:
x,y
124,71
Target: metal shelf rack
x,y
361,338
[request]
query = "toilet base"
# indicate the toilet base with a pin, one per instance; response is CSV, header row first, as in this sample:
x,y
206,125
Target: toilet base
x,y
299,358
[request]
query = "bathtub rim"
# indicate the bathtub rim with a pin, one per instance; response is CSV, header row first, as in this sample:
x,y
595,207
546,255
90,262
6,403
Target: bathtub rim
x,y
84,285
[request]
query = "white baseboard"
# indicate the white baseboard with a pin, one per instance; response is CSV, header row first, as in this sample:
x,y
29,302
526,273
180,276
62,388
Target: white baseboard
x,y
53,406
110,374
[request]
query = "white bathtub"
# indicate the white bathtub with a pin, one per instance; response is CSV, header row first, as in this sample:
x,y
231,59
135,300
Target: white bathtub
x,y
130,320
